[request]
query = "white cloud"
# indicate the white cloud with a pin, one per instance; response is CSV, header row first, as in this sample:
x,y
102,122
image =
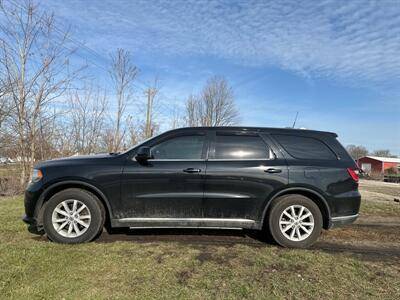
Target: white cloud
x,y
345,40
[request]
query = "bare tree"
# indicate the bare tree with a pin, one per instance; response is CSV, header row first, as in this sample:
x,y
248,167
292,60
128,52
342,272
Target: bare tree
x,y
176,119
192,115
5,103
35,60
215,106
47,136
357,152
383,153
123,74
87,114
134,132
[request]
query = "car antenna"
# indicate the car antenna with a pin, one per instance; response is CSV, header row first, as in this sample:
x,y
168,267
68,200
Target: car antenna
x,y
295,119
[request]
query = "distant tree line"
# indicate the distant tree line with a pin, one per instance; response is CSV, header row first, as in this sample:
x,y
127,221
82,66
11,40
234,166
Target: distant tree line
x,y
358,151
50,108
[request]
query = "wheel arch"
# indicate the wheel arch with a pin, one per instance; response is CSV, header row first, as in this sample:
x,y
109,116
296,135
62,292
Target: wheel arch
x,y
59,186
315,196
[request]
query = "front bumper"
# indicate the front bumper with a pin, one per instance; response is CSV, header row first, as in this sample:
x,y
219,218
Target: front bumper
x,y
31,199
343,220
33,227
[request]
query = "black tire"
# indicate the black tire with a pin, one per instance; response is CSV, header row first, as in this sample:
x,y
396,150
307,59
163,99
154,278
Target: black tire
x,y
279,205
93,204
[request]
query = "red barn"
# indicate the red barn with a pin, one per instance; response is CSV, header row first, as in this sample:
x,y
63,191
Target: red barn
x,y
376,164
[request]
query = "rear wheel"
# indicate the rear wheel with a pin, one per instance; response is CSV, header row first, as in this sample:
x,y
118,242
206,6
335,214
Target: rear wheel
x,y
295,221
73,216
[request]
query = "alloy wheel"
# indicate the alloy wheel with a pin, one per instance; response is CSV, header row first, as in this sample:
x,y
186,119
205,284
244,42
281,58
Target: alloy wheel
x,y
71,218
296,222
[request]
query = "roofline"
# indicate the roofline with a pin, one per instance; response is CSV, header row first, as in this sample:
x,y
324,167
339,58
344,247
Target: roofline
x,y
260,129
382,159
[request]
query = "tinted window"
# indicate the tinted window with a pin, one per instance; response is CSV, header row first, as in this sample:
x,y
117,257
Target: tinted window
x,y
240,147
338,148
305,147
182,147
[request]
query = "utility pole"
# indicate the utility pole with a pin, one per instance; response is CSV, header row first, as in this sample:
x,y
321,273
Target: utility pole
x,y
150,92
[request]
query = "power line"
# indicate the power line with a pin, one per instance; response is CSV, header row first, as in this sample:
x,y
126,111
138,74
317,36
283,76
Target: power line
x,y
80,44
144,86
65,34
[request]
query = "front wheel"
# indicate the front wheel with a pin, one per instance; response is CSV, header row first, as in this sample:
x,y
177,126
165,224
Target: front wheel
x,y
73,216
295,221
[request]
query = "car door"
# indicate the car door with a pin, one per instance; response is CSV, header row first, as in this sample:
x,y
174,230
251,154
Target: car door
x,y
169,185
243,170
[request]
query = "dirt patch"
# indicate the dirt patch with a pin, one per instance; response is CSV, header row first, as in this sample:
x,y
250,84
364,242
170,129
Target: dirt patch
x,y
206,255
365,232
271,270
184,276
362,250
202,237
296,268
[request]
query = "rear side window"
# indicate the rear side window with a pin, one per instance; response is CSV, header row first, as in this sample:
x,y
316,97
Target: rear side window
x,y
339,149
240,147
304,147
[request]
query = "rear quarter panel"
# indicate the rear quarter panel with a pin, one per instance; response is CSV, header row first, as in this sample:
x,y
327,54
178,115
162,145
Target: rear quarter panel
x,y
329,178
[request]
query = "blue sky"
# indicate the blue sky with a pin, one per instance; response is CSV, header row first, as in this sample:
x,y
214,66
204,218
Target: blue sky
x,y
335,62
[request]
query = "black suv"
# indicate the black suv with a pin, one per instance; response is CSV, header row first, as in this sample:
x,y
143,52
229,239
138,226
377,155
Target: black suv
x,y
289,182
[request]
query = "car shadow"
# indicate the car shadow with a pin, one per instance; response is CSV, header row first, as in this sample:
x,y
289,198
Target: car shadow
x,y
186,236
360,251
252,238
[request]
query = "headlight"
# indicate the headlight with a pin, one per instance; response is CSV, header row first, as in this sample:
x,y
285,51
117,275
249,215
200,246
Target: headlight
x,y
36,175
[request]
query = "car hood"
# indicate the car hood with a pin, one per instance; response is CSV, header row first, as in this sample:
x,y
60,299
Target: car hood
x,y
75,159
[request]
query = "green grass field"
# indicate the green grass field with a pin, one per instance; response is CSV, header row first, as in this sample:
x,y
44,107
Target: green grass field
x,y
32,268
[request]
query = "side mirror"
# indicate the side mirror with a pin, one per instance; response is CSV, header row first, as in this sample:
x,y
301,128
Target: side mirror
x,y
143,154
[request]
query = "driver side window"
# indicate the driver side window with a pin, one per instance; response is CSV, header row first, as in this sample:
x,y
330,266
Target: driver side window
x,y
181,147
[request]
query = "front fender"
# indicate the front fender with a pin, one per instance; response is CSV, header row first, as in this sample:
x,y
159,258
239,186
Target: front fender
x,y
53,188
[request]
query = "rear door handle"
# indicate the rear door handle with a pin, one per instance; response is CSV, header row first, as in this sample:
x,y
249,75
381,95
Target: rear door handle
x,y
192,170
273,170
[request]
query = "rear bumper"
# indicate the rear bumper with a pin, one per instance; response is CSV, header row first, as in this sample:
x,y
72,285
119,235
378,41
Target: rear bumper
x,y
343,220
345,208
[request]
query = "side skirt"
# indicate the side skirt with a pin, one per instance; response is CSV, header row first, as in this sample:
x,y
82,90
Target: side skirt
x,y
185,223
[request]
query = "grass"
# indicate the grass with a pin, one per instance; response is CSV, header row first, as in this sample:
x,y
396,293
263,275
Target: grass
x,y
383,209
33,268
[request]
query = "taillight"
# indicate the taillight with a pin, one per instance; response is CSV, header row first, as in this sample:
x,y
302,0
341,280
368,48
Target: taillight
x,y
353,174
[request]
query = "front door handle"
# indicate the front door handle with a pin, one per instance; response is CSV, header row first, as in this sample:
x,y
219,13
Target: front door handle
x,y
192,170
273,170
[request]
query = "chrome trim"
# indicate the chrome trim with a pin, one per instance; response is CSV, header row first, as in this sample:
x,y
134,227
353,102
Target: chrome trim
x,y
225,195
127,220
240,159
195,195
187,227
172,195
343,218
175,159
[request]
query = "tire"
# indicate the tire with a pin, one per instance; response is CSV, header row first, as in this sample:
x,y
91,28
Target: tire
x,y
283,228
86,224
